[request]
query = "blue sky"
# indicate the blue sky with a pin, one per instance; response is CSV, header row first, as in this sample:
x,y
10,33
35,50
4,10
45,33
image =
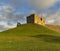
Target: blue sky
x,y
12,11
24,6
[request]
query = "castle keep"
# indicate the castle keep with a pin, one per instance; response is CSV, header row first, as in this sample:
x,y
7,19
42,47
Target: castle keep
x,y
33,18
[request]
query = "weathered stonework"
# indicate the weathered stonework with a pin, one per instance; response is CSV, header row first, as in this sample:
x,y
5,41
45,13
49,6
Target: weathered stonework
x,y
33,18
18,24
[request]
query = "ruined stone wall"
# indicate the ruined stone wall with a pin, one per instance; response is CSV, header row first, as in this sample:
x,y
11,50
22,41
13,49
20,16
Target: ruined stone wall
x,y
43,21
35,19
39,20
30,19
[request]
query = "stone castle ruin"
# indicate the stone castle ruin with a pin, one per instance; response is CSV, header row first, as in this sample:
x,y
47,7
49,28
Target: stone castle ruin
x,y
34,18
18,24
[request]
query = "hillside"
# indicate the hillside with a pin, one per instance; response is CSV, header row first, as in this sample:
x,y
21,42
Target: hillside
x,y
30,37
29,29
54,27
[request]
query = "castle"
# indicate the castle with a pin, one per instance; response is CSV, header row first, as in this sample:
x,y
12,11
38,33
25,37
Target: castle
x,y
34,18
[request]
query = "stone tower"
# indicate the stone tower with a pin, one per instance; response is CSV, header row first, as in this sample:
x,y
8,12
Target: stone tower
x,y
33,18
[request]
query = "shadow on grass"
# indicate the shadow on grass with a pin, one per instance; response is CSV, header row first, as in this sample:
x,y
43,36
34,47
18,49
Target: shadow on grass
x,y
49,38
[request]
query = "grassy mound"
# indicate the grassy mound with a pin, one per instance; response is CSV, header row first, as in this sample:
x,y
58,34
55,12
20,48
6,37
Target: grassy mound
x,y
30,37
30,29
54,27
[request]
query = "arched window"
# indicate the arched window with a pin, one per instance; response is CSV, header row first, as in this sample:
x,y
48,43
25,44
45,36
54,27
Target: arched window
x,y
41,19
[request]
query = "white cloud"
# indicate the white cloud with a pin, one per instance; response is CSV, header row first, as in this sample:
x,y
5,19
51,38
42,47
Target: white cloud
x,y
7,15
7,8
50,21
8,12
43,4
53,18
5,26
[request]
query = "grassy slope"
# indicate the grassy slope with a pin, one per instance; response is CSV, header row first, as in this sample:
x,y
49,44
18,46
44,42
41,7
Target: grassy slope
x,y
54,27
30,37
30,29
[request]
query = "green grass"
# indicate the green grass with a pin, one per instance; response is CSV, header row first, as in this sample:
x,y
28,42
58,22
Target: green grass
x,y
30,37
29,30
54,27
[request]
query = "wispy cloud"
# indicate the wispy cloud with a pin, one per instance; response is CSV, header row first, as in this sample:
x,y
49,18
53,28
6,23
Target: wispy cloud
x,y
5,26
9,16
53,18
43,4
17,10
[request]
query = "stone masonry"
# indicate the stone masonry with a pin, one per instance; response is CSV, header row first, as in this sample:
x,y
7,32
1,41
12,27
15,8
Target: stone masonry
x,y
34,18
